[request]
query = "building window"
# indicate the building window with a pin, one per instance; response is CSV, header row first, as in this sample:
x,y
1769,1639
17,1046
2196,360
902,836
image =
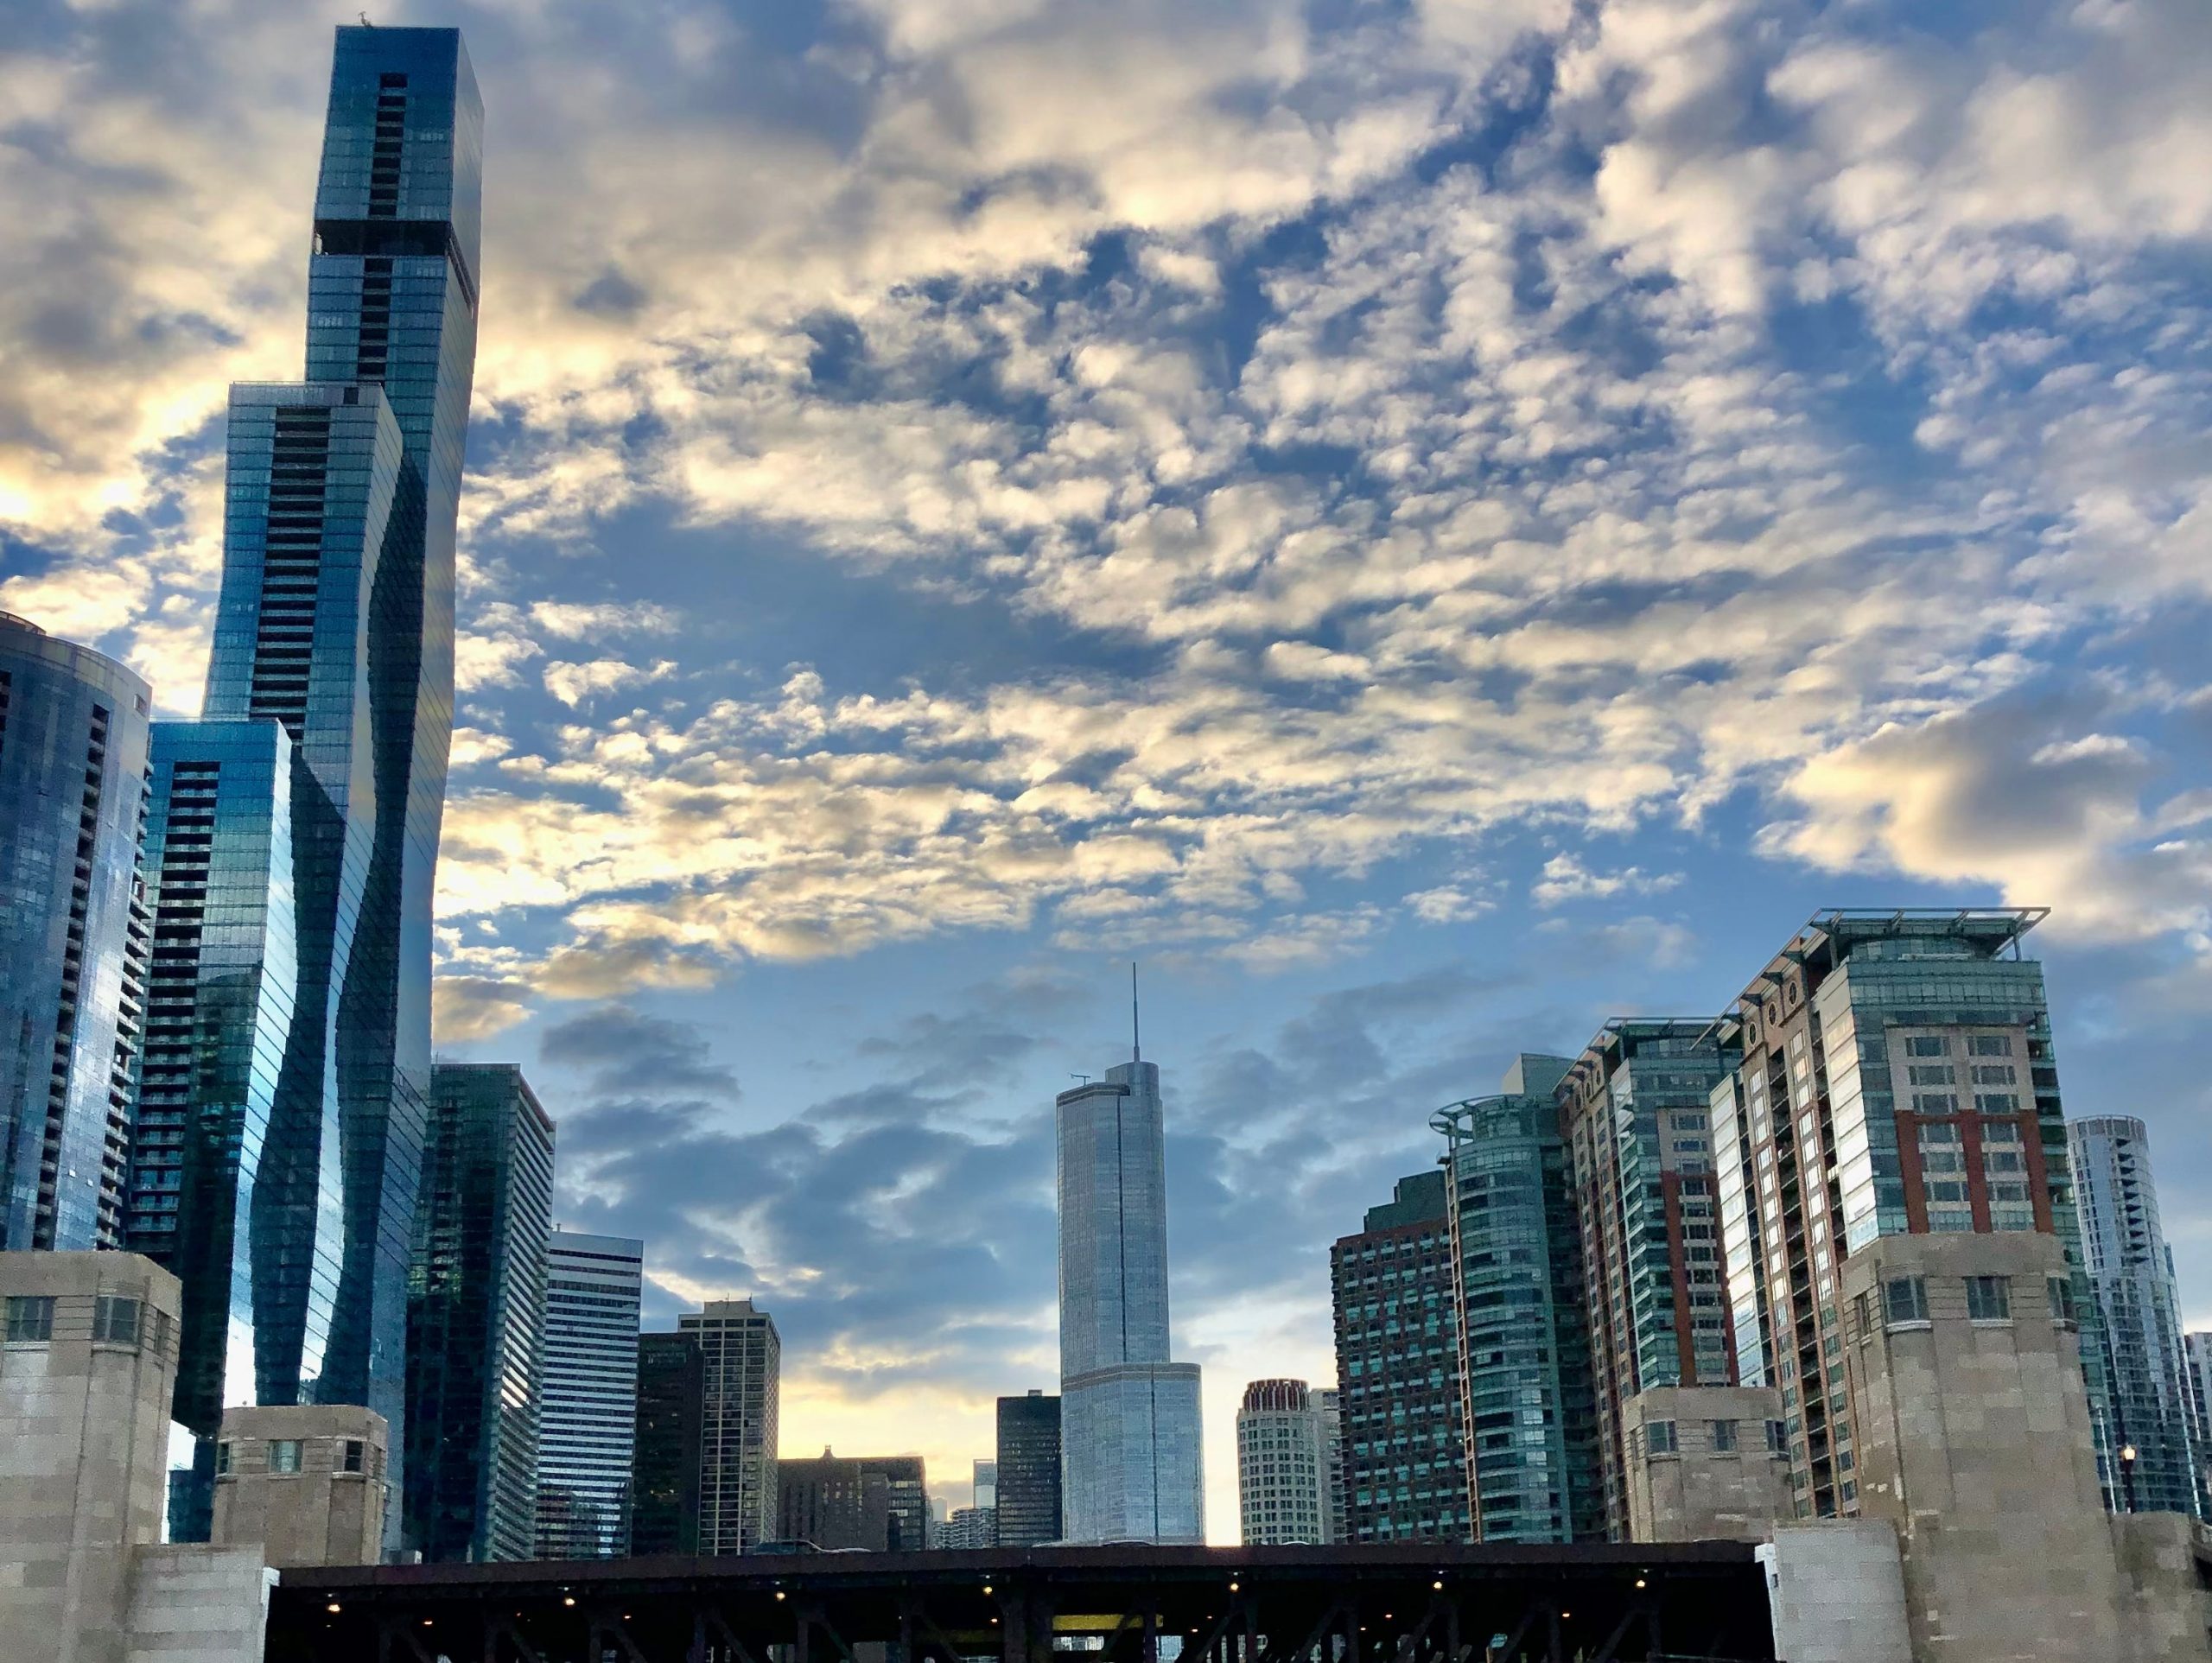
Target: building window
x,y
1989,1299
1905,1299
2060,1291
1927,1044
1723,1436
1992,1044
115,1320
30,1317
1777,1438
350,1456
1659,1437
283,1455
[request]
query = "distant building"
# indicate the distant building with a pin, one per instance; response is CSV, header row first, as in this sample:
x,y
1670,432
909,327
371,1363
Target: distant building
x,y
1328,1405
986,1486
476,1318
588,1422
909,1494
1896,1079
668,1454
1528,1404
1635,1110
833,1503
1028,1470
1132,1465
1282,1465
741,1359
221,995
73,937
969,1527
1398,1370
2197,1348
2156,1427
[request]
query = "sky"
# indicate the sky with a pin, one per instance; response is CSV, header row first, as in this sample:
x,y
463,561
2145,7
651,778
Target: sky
x,y
1425,524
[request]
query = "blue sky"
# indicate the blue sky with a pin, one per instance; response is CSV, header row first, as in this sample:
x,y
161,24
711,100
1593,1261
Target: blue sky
x,y
1429,524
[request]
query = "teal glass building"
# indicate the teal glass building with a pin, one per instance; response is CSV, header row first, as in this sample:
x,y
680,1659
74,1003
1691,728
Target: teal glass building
x,y
221,997
73,737
1528,1400
476,1321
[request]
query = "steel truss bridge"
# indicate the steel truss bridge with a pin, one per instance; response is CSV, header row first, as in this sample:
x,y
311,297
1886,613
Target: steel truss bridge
x,y
1411,1602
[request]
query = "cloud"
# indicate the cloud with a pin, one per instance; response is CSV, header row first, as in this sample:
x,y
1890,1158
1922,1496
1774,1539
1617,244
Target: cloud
x,y
464,1008
621,1049
1565,878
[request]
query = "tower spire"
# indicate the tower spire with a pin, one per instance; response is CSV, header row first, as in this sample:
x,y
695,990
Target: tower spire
x,y
1136,1033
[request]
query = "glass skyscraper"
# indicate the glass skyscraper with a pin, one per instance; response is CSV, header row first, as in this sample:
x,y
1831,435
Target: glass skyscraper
x,y
586,1427
2155,1421
476,1321
1028,1465
336,620
1528,1400
221,1001
73,942
1131,1463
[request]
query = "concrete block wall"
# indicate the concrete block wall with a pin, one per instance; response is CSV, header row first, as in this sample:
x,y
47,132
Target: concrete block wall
x,y
198,1605
319,1513
1835,1591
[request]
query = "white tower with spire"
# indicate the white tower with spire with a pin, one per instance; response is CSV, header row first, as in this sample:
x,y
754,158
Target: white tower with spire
x,y
1131,1466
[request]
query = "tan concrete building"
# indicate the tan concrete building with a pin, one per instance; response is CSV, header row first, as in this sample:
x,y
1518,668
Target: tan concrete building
x,y
305,1484
1705,1462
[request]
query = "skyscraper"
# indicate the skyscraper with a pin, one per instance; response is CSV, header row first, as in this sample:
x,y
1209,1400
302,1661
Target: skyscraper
x,y
1282,1465
834,1502
221,999
670,1430
475,1324
741,1363
1131,1462
2155,1427
908,1495
1398,1370
986,1485
1898,1078
587,1424
1329,1407
1529,1403
1028,1470
336,619
73,937
1633,1109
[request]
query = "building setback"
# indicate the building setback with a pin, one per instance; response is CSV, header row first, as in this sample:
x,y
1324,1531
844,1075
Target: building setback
x,y
2156,1430
1132,1466
740,1362
1634,1110
73,937
666,1456
1398,1370
220,997
1528,1401
1282,1465
475,1324
588,1421
1028,1470
1897,1079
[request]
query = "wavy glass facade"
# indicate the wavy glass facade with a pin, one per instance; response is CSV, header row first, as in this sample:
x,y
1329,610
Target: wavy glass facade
x,y
74,738
1897,1079
1637,1116
221,995
2155,1420
1528,1400
588,1422
1131,1465
474,1332
1405,1470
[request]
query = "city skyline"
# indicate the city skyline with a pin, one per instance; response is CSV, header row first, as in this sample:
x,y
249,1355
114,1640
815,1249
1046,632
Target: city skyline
x,y
1429,559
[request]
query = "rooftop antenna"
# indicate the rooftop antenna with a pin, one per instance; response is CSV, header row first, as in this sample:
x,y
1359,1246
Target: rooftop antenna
x,y
1136,1033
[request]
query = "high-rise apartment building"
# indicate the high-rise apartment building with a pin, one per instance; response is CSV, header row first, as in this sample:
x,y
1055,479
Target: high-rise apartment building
x,y
1329,1407
1633,1110
1528,1401
586,1425
667,1457
1028,1470
475,1366
2196,1351
1398,1370
221,992
73,937
336,620
1131,1460
1898,1078
968,1528
1282,1465
741,1363
2156,1429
